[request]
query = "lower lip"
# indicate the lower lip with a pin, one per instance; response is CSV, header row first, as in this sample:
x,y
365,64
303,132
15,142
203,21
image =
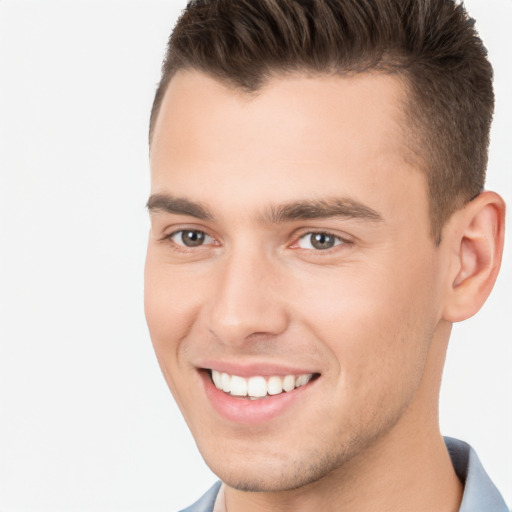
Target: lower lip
x,y
251,412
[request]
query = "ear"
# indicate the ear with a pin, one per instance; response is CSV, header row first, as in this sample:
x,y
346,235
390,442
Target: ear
x,y
476,239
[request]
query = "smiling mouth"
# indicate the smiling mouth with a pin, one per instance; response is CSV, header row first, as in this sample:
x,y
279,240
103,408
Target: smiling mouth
x,y
257,387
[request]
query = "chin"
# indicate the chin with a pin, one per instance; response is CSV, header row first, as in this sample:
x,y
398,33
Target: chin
x,y
281,465
275,476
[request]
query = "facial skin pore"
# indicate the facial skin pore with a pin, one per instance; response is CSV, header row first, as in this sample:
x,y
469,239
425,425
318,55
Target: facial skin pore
x,y
258,181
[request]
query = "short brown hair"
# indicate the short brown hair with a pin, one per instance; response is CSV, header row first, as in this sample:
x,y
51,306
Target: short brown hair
x,y
431,43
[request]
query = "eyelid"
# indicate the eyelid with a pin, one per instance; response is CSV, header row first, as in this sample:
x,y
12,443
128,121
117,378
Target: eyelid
x,y
168,237
343,239
171,230
206,237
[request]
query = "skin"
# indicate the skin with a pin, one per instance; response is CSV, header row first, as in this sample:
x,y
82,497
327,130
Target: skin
x,y
371,315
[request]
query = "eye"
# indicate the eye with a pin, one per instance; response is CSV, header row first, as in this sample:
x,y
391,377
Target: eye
x,y
319,241
190,238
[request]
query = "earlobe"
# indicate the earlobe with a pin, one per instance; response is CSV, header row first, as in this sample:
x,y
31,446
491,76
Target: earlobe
x,y
477,240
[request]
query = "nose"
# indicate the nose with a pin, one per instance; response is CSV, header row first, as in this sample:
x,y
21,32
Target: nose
x,y
248,300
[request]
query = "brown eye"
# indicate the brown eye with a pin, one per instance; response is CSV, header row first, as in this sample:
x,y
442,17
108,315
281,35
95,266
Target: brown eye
x,y
319,241
190,238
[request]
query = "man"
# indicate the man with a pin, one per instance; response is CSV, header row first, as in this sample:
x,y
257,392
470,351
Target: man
x,y
318,223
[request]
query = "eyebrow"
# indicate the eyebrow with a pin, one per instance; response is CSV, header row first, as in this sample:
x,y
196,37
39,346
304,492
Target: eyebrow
x,y
177,205
319,208
307,209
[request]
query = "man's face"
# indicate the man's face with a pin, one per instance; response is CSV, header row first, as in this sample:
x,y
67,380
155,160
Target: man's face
x,y
290,237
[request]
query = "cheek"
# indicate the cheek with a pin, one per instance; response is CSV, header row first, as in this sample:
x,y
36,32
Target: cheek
x,y
169,303
376,323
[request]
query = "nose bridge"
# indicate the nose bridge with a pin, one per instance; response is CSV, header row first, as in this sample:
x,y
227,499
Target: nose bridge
x,y
246,300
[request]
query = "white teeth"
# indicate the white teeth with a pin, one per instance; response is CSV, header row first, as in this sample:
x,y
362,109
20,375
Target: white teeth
x,y
289,383
217,379
274,386
258,387
238,386
226,382
301,380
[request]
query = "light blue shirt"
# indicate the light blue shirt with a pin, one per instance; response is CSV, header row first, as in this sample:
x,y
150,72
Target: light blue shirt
x,y
480,494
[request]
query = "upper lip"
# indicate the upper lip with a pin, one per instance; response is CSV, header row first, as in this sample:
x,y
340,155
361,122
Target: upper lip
x,y
261,369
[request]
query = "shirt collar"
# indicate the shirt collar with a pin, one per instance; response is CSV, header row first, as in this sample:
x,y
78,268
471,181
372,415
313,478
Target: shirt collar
x,y
479,492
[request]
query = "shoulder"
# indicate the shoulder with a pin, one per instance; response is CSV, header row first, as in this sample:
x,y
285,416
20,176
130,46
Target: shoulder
x,y
206,502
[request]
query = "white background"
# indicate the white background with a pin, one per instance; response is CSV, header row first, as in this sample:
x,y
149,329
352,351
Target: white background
x,y
86,421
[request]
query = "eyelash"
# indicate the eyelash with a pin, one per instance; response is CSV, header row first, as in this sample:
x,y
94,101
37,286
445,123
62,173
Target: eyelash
x,y
339,241
184,248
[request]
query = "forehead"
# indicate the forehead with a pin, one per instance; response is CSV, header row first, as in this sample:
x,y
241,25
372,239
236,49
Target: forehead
x,y
296,137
